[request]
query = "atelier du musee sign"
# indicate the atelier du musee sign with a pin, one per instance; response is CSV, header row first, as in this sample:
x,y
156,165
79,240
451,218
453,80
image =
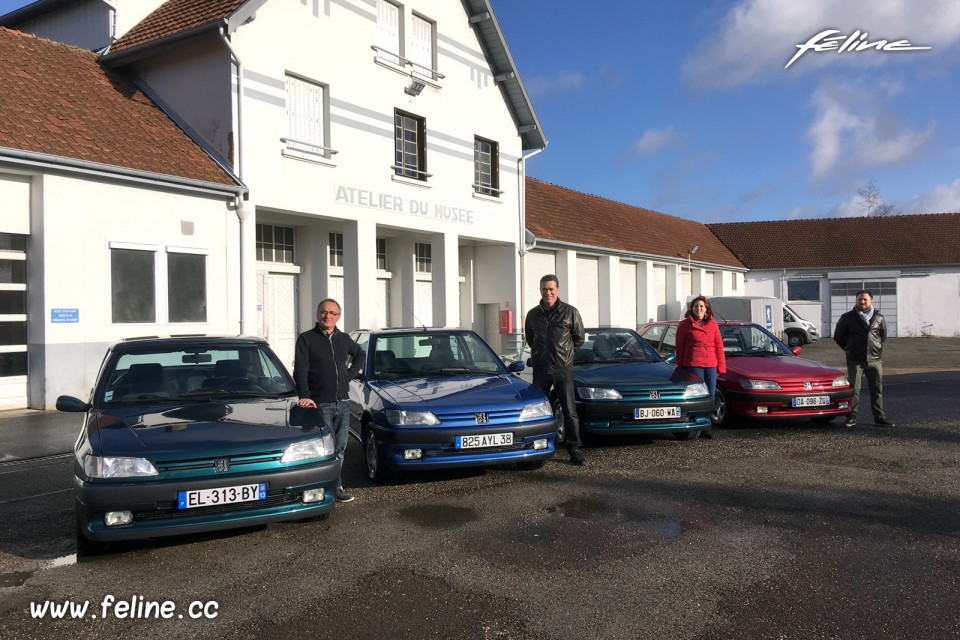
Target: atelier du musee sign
x,y
410,206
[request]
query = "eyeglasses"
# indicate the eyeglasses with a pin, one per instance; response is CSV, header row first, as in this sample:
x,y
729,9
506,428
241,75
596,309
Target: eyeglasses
x,y
328,313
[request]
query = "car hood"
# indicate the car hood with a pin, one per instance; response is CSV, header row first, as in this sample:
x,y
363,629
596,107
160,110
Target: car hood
x,y
641,373
457,391
780,367
200,429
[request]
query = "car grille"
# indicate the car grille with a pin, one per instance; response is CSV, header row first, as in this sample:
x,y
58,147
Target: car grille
x,y
237,463
493,416
816,386
641,393
168,509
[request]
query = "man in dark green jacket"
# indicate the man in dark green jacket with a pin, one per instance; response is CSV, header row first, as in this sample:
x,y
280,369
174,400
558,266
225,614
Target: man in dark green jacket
x,y
861,333
554,331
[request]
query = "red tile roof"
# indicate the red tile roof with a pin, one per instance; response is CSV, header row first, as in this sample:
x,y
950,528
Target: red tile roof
x,y
56,99
928,239
176,16
564,215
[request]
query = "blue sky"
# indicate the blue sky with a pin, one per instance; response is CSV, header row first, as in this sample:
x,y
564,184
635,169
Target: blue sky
x,y
685,107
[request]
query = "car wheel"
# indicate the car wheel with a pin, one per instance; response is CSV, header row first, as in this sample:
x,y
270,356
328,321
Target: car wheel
x,y
529,466
719,415
376,470
795,339
561,423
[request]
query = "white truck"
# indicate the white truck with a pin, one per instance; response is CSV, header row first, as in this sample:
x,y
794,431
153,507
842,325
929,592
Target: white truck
x,y
766,312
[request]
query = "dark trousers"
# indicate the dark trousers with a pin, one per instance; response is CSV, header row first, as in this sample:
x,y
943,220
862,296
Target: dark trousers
x,y
873,372
562,384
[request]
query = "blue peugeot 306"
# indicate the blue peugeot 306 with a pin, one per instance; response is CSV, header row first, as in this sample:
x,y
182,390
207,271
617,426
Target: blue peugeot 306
x,y
195,434
442,398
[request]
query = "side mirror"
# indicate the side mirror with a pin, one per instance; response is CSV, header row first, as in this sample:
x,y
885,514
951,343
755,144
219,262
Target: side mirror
x,y
70,404
671,359
530,362
516,366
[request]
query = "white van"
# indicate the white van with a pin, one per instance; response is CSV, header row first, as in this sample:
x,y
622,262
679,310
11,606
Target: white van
x,y
798,331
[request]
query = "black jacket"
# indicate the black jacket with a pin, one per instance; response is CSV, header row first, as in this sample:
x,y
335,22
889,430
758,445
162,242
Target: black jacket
x,y
322,365
861,342
554,336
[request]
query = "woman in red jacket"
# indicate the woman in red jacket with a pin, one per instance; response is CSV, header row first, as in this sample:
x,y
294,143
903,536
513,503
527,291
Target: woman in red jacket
x,y
699,344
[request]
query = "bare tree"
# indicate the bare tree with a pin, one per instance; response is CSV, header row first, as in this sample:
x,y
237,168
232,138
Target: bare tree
x,y
871,201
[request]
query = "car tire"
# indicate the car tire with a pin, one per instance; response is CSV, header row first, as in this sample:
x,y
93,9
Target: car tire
x,y
795,339
720,416
529,466
561,423
376,469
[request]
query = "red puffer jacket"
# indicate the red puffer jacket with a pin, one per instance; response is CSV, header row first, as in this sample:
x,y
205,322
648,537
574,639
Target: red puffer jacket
x,y
700,345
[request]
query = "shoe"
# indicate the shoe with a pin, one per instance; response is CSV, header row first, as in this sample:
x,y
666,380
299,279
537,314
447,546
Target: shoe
x,y
576,457
883,422
851,423
343,496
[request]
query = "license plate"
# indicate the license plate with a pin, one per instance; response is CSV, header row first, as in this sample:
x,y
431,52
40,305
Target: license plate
x,y
223,495
487,440
652,413
811,401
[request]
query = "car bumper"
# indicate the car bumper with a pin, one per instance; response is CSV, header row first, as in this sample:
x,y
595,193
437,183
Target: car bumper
x,y
156,514
617,417
438,450
770,406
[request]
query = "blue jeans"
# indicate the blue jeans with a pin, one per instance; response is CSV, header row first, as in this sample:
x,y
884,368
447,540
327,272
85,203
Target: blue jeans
x,y
336,417
709,375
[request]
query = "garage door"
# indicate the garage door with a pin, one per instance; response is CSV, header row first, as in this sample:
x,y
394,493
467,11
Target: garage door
x,y
536,265
843,297
588,290
708,279
628,296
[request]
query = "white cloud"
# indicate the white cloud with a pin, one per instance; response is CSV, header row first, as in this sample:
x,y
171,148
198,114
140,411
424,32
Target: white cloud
x,y
756,38
943,198
653,141
561,82
852,130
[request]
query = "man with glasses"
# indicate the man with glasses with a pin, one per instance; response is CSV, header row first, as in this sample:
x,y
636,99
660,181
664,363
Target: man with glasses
x,y
325,361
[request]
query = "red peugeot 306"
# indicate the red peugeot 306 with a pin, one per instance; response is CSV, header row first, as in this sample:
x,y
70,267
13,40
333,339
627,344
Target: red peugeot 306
x,y
765,378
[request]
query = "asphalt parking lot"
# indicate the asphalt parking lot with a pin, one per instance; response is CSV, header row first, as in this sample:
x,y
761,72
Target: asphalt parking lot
x,y
791,531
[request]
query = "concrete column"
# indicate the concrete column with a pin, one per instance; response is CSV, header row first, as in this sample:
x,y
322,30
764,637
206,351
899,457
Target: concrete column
x,y
446,280
567,273
359,275
403,263
313,256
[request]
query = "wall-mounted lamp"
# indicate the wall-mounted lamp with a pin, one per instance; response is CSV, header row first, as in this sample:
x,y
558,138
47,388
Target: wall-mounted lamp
x,y
414,88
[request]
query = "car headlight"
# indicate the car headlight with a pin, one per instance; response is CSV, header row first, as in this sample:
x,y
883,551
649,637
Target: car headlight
x,y
598,393
537,410
696,390
841,381
321,447
760,384
113,467
401,418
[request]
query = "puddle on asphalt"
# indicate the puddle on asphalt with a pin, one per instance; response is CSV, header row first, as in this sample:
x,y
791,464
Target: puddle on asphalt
x,y
594,509
582,509
439,516
19,578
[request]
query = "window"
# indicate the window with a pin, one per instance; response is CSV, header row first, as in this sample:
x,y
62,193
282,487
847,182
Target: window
x,y
733,277
307,121
133,285
187,287
422,51
336,249
486,173
424,259
274,244
803,290
382,254
411,147
13,304
389,46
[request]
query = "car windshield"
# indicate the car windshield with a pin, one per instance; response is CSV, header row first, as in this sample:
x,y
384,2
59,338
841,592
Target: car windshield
x,y
614,345
195,374
432,353
751,340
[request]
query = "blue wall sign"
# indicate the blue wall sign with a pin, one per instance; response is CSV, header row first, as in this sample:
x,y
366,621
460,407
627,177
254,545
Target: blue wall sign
x,y
64,315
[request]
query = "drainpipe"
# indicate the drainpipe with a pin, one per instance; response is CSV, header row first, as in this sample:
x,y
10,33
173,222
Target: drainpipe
x,y
522,191
244,213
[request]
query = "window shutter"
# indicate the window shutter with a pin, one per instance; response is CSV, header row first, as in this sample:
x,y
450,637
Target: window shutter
x,y
421,45
388,31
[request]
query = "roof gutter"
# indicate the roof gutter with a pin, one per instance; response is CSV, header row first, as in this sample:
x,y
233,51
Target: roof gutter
x,y
48,161
635,255
126,56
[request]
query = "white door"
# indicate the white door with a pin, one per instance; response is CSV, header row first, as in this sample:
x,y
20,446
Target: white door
x,y
335,291
423,311
277,304
383,303
588,290
536,265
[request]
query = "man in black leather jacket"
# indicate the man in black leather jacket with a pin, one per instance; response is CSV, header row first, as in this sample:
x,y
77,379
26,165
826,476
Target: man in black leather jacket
x,y
554,331
860,333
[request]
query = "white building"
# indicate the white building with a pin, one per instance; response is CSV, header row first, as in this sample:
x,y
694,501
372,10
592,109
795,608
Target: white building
x,y
911,263
382,144
113,222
